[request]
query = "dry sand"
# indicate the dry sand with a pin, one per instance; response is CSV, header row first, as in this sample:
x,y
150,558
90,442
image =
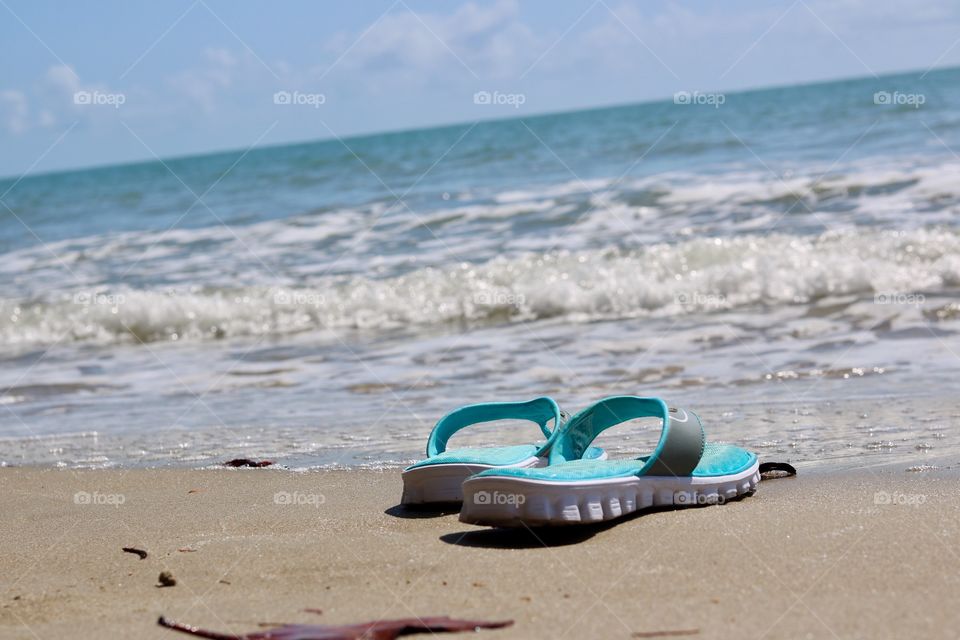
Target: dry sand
x,y
813,556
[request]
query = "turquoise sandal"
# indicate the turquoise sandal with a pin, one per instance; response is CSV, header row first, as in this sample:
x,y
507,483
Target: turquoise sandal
x,y
683,470
440,476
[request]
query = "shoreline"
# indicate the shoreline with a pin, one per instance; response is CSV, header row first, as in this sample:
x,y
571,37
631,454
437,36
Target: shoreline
x,y
902,431
821,554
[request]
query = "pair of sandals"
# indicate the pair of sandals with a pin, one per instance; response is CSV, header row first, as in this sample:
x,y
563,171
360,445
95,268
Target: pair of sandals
x,y
567,481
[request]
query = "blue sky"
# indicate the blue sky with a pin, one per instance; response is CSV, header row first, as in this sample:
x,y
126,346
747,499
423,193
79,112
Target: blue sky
x,y
190,76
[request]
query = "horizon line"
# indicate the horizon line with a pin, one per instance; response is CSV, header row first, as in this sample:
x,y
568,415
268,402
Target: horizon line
x,y
444,125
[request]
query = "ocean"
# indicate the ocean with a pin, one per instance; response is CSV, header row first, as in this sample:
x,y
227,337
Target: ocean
x,y
784,261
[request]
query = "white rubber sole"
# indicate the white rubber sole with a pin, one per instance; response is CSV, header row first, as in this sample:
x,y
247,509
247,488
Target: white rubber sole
x,y
443,483
514,502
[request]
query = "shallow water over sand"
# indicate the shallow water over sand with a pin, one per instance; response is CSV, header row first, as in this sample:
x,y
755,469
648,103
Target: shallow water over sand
x,y
340,309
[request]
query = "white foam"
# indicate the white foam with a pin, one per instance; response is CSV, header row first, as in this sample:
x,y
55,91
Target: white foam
x,y
552,191
701,275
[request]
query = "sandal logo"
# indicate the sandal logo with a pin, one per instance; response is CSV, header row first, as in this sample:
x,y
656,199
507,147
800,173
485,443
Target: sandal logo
x,y
496,497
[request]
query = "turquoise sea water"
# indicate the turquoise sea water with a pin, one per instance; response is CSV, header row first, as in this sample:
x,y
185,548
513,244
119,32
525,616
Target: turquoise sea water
x,y
324,303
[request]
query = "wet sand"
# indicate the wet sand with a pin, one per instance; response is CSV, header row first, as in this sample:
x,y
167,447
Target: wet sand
x,y
870,554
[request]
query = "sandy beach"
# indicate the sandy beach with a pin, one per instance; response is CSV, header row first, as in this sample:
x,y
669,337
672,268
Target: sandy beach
x,y
547,239
822,556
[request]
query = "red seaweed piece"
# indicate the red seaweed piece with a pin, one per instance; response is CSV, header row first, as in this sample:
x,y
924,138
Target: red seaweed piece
x,y
379,630
247,462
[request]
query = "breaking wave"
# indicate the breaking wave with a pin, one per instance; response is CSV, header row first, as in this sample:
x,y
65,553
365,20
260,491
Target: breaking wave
x,y
695,276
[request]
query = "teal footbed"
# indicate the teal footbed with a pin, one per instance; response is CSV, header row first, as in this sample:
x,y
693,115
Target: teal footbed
x,y
493,456
717,460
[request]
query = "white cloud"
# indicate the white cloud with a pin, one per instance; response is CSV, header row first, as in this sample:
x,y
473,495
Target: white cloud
x,y
54,93
206,84
857,14
64,78
53,101
46,118
14,110
407,48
